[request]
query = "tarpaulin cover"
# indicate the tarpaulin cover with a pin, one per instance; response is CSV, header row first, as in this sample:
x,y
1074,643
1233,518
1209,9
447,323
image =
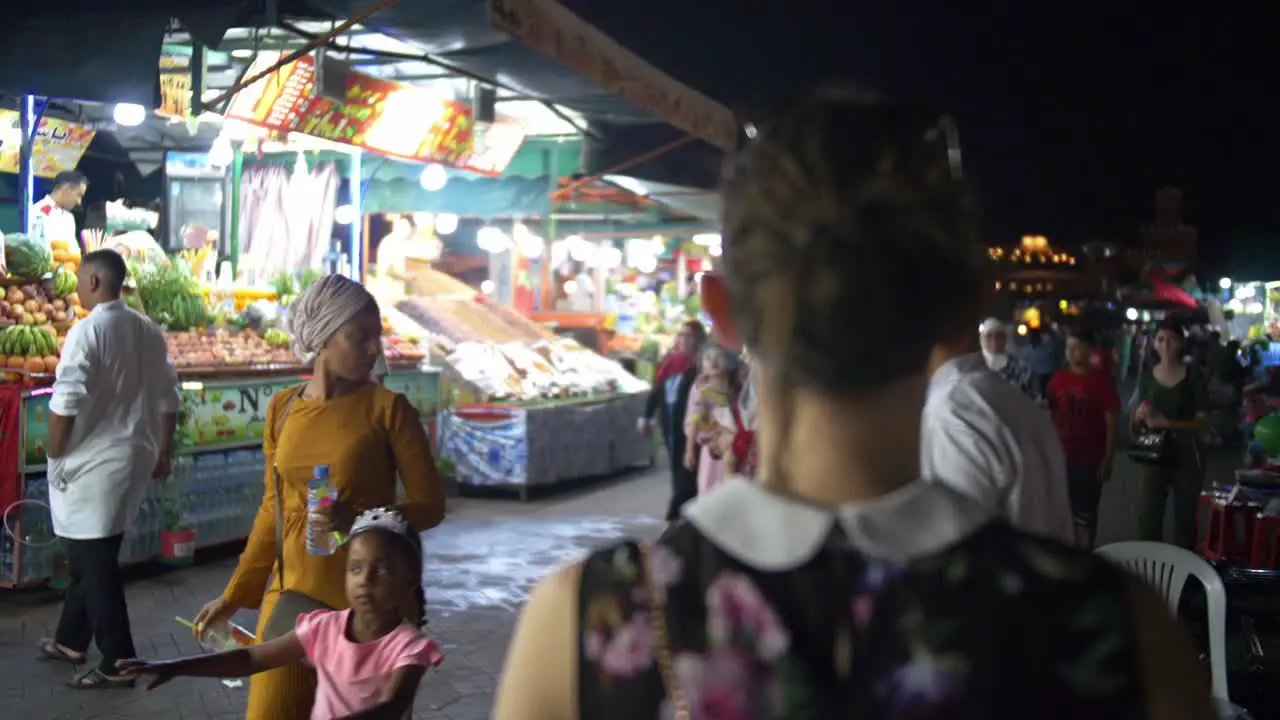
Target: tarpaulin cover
x,y
45,53
472,196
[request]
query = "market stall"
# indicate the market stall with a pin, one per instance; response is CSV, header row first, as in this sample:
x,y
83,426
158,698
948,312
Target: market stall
x,y
521,406
230,363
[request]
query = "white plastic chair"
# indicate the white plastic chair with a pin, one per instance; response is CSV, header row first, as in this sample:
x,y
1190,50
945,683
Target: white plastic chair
x,y
1166,567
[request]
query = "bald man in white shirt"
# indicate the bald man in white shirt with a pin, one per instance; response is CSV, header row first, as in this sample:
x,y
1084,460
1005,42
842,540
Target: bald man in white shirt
x,y
983,436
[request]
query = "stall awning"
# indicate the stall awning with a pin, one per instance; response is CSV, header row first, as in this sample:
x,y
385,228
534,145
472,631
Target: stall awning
x,y
534,51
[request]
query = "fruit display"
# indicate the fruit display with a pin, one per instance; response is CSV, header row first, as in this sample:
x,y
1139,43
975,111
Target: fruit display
x,y
225,349
65,282
277,338
65,256
38,304
401,350
170,293
26,258
29,348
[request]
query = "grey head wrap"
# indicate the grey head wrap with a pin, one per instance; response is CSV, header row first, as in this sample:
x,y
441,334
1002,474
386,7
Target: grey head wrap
x,y
321,310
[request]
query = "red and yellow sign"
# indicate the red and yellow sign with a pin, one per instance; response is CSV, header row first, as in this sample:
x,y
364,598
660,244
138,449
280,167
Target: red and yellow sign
x,y
378,115
58,146
549,28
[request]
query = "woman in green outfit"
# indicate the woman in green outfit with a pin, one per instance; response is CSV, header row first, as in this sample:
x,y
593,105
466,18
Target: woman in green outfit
x,y
1172,398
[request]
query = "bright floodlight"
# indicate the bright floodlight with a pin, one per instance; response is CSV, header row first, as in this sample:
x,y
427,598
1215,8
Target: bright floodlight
x,y
1131,314
128,114
1225,283
433,177
344,214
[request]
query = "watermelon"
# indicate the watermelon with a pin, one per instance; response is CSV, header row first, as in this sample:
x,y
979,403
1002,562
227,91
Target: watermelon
x,y
25,257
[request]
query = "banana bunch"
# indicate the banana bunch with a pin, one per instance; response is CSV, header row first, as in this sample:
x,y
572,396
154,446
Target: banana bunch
x,y
64,282
28,340
276,337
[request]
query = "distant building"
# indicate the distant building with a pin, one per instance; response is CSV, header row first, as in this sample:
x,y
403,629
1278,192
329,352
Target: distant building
x,y
1169,239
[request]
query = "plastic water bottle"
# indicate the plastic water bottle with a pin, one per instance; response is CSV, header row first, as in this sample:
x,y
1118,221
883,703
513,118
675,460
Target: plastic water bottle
x,y
320,497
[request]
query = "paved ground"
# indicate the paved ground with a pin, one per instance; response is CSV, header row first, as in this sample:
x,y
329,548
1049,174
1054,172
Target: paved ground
x,y
481,564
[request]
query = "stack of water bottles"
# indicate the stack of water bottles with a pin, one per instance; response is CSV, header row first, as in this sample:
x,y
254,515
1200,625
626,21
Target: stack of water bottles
x,y
217,494
221,493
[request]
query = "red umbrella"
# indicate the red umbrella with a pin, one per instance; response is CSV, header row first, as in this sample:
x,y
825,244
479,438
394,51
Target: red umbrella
x,y
1169,292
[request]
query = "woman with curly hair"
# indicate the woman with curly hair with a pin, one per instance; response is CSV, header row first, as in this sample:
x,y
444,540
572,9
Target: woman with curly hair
x,y
841,585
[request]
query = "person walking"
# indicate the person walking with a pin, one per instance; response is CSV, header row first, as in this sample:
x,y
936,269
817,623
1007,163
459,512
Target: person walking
x,y
993,336
840,585
1085,403
669,400
1173,399
111,422
366,435
984,437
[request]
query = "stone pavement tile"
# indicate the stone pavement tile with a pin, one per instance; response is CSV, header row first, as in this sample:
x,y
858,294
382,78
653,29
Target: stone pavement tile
x,y
480,565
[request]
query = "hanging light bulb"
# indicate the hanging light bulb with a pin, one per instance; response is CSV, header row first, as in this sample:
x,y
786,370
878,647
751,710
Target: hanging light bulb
x,y
344,214
579,249
647,264
492,240
446,223
530,245
610,257
433,177
128,114
486,287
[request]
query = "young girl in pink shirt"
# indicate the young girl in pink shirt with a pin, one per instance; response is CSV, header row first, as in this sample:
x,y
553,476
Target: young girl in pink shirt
x,y
369,659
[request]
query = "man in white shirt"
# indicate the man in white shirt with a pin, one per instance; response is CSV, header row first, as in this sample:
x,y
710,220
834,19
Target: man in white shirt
x,y
51,218
983,436
111,424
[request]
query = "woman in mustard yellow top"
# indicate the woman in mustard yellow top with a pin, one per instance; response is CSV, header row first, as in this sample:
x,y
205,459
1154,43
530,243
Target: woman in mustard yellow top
x,y
365,434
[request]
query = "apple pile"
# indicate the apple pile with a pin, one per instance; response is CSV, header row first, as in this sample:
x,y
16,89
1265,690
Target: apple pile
x,y
224,349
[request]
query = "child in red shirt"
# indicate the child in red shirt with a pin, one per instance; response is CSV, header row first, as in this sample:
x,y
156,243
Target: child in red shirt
x,y
1084,403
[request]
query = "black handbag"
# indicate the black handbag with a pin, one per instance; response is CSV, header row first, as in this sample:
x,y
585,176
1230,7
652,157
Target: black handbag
x,y
1150,447
284,616
1156,447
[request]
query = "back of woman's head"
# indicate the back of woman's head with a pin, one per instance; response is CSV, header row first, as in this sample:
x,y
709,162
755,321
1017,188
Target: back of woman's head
x,y
850,246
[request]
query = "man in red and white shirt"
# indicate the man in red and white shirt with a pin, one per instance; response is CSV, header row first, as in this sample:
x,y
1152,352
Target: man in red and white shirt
x,y
51,218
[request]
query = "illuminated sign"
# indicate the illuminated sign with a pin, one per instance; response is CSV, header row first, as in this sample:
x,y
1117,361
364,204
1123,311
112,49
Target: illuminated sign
x,y
175,87
58,146
495,145
378,115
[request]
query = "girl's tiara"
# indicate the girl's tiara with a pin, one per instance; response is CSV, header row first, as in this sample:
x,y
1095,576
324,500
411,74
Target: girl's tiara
x,y
381,518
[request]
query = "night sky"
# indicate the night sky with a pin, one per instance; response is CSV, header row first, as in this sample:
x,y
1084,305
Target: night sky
x,y
1071,115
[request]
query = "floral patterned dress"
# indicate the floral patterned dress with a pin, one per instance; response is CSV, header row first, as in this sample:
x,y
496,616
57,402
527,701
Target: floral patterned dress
x,y
996,625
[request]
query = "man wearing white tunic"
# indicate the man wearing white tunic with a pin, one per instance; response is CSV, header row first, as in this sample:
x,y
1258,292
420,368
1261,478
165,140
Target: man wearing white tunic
x,y
51,218
111,424
984,437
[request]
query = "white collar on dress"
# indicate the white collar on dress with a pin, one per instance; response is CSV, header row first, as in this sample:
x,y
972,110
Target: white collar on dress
x,y
774,533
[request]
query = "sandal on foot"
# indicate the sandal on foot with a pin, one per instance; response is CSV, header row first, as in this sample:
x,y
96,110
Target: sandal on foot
x,y
95,679
48,651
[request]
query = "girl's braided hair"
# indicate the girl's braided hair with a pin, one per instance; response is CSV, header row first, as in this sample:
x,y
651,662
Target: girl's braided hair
x,y
851,247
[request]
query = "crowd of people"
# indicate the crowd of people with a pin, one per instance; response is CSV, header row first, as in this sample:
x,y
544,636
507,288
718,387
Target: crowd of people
x,y
864,523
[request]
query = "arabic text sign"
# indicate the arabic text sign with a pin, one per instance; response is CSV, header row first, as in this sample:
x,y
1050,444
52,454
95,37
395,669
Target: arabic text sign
x,y
378,115
546,26
59,144
175,87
